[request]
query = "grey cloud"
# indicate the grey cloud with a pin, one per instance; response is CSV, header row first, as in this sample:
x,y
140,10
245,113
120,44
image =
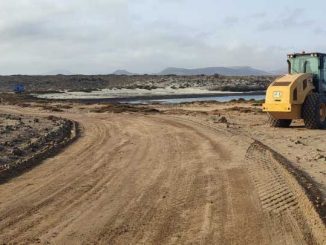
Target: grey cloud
x,y
319,31
289,19
258,15
231,20
27,30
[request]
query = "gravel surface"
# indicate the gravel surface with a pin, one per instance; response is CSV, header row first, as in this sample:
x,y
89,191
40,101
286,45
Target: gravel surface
x,y
24,136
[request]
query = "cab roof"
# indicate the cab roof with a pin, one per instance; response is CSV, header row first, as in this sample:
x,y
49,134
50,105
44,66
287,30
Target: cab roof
x,y
316,54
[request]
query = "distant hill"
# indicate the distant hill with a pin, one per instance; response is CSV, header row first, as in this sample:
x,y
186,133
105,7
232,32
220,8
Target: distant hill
x,y
279,72
226,71
123,72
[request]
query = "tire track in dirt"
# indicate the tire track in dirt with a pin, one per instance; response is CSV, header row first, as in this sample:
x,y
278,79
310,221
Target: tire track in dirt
x,y
282,197
155,209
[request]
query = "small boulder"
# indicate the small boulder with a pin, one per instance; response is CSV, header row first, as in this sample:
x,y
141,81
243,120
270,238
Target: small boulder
x,y
222,120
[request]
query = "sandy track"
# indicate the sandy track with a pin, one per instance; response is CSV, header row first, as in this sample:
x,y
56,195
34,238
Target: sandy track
x,y
133,179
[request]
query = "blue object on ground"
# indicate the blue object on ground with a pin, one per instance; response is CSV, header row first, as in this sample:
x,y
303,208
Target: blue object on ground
x,y
19,88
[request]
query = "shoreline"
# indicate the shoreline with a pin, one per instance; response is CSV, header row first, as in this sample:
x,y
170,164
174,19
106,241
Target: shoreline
x,y
152,97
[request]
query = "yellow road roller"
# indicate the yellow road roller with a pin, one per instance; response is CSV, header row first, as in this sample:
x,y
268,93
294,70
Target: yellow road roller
x,y
301,94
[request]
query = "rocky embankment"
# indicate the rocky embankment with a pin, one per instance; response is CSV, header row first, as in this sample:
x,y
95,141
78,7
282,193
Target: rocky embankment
x,y
86,83
26,140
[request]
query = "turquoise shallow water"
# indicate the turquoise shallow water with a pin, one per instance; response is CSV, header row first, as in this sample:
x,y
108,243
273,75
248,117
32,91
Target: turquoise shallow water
x,y
212,98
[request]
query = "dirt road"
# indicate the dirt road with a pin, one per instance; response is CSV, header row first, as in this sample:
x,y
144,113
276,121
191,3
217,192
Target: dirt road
x,y
155,179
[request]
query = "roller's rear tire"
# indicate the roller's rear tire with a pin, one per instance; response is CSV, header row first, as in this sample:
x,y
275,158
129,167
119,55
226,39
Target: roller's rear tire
x,y
314,112
278,123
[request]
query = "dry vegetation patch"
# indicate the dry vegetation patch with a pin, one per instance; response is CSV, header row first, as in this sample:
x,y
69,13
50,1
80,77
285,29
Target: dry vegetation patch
x,y
120,108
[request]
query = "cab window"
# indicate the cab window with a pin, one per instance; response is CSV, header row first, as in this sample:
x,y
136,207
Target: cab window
x,y
305,64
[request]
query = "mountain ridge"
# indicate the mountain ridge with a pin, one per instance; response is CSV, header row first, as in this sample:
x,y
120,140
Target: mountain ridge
x,y
226,71
123,72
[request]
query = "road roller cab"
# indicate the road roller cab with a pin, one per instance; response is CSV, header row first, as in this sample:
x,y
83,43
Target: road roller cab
x,y
301,94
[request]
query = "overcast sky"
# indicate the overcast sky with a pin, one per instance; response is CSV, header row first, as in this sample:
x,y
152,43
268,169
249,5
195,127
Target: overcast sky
x,y
100,36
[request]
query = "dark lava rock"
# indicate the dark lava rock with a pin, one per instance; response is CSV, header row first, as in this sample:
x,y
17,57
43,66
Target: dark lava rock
x,y
222,120
17,152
